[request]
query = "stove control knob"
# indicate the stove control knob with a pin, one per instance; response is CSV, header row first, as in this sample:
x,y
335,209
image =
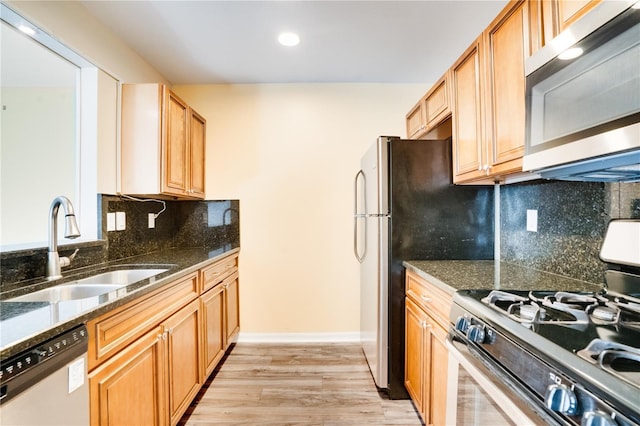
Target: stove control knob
x,y
597,418
562,399
476,333
462,324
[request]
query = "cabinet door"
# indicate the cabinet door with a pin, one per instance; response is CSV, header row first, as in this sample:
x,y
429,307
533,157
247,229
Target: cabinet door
x,y
232,308
213,329
414,367
467,128
197,141
504,43
416,121
437,102
437,359
184,372
174,144
130,387
569,11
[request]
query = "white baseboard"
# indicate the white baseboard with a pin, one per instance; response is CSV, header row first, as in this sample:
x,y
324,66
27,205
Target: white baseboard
x,y
346,337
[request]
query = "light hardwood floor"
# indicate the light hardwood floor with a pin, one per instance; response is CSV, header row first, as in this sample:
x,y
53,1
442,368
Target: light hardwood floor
x,y
291,384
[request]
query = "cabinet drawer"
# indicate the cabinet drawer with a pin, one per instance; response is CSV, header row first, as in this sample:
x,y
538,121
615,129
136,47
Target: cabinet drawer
x,y
433,300
217,272
115,330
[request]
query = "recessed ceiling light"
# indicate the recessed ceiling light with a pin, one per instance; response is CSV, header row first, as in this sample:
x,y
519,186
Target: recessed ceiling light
x,y
572,52
289,39
27,30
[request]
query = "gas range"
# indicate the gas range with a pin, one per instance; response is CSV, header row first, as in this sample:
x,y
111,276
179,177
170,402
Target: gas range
x,y
575,356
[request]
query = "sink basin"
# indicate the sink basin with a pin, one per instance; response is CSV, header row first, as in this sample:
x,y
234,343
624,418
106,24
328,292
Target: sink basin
x,y
65,292
121,276
95,285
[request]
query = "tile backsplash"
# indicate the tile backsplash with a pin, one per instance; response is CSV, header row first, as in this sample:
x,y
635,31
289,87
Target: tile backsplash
x,y
182,224
572,220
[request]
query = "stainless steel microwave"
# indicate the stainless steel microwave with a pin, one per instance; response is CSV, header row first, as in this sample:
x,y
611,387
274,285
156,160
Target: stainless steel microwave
x,y
583,99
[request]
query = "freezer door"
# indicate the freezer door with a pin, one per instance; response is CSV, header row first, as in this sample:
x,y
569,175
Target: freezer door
x,y
375,166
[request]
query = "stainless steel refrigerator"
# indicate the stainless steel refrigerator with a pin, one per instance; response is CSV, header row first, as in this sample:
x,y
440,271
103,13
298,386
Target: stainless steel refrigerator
x,y
406,208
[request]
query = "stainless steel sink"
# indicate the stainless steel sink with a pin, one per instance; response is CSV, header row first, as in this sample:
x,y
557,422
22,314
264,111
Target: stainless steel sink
x,y
121,276
92,286
64,292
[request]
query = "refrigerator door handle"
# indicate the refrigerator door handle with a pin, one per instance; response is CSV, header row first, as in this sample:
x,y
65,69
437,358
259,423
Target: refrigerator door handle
x,y
357,215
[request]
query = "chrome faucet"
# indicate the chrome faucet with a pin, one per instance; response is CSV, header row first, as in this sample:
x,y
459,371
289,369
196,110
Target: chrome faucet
x,y
54,262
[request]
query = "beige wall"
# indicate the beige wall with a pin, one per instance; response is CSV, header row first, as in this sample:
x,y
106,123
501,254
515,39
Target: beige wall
x,y
289,153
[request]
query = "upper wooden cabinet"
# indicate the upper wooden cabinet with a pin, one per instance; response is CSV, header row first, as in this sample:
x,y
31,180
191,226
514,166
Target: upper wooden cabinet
x,y
489,107
469,148
548,18
163,144
506,48
569,11
431,110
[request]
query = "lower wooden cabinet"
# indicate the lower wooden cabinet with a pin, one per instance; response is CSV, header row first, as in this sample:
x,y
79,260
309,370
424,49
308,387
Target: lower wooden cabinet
x,y
185,375
129,388
150,358
426,354
232,308
155,379
220,320
213,329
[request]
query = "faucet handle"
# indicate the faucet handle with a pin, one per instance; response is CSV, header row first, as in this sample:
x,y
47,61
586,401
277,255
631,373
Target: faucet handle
x,y
66,261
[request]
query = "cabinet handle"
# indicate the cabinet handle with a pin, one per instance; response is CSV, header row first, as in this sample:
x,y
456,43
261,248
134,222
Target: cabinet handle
x,y
425,298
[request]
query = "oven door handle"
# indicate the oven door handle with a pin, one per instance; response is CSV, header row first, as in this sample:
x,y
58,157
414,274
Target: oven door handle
x,y
527,410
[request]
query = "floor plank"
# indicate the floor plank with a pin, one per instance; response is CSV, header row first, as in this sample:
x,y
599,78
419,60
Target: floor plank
x,y
294,384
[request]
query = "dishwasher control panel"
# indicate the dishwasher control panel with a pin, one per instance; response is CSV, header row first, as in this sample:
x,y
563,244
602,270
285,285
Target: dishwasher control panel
x,y
27,368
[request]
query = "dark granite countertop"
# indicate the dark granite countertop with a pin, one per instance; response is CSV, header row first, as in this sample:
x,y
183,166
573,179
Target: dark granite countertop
x,y
453,275
24,324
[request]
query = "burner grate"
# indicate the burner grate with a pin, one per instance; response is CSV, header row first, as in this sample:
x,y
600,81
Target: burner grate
x,y
616,358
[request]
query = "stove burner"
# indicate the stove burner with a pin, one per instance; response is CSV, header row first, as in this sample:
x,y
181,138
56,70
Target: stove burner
x,y
567,309
616,358
529,312
606,313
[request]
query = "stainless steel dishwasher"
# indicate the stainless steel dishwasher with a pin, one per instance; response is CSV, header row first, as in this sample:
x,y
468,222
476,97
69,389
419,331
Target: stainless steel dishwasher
x,y
47,384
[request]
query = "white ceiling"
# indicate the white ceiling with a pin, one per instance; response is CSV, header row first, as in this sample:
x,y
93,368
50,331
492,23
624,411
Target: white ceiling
x,y
199,42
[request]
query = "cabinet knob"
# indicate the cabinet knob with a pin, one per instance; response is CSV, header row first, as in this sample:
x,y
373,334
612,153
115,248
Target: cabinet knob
x,y
425,298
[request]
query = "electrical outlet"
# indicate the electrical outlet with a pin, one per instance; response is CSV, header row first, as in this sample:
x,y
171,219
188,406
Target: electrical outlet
x,y
121,221
111,221
532,220
152,220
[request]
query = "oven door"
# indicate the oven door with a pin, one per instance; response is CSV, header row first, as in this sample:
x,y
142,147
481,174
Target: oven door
x,y
479,395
